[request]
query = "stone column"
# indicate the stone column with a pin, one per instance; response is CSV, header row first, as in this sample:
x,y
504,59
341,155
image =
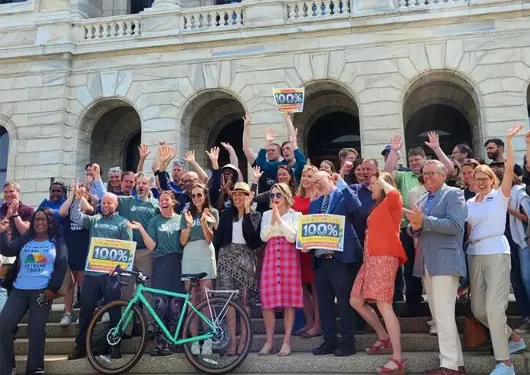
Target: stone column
x,y
166,5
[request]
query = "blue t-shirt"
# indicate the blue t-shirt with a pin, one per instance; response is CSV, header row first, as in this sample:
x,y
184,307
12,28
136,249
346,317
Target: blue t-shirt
x,y
36,265
54,207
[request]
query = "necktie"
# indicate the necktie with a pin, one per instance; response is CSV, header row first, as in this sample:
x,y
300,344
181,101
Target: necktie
x,y
325,204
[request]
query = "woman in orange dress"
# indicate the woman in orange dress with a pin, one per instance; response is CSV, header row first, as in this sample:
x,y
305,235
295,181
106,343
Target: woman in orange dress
x,y
383,254
313,326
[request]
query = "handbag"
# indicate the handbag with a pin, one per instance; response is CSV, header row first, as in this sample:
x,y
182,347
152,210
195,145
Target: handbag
x,y
68,283
475,334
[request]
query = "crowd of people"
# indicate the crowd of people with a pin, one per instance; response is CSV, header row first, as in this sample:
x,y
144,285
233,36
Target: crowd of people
x,y
450,225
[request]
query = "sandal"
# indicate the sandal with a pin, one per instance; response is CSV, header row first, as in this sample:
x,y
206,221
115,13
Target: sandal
x,y
384,347
285,350
267,349
400,370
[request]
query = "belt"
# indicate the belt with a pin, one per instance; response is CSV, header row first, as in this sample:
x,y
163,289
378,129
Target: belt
x,y
326,256
485,238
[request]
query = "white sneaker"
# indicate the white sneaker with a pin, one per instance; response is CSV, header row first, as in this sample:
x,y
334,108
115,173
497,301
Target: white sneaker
x,y
195,348
432,330
105,318
65,320
207,347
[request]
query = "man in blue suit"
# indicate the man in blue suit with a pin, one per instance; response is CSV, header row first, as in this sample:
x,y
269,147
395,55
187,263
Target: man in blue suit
x,y
335,271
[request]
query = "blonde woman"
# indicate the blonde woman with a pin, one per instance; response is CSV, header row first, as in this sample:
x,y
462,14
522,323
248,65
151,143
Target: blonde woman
x,y
281,281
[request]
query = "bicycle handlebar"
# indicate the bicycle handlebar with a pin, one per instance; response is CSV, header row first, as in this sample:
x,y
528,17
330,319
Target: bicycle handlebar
x,y
140,277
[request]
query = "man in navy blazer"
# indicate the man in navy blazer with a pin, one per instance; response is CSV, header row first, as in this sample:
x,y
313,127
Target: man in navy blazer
x,y
335,271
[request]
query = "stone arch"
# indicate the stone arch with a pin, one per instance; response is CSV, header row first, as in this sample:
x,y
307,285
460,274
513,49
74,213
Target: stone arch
x,y
528,101
443,100
8,137
330,120
205,117
104,132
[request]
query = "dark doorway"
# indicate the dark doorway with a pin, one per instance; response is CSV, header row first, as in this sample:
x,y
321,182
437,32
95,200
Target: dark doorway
x,y
330,133
131,152
139,5
449,123
232,133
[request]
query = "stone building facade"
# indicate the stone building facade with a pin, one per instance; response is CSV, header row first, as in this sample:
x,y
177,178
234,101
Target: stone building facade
x,y
84,80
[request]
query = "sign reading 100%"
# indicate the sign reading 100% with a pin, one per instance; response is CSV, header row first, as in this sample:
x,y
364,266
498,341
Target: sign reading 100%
x,y
321,231
105,254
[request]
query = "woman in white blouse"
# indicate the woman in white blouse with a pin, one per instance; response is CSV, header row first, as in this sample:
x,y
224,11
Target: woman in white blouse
x,y
281,279
489,257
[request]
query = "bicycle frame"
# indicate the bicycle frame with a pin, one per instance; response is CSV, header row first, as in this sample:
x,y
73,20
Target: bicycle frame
x,y
127,315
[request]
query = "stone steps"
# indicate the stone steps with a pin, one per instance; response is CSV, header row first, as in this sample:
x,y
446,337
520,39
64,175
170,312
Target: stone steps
x,y
416,362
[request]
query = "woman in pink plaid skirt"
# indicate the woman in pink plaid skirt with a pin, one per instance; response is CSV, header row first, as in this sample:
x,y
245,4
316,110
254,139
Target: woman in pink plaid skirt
x,y
281,277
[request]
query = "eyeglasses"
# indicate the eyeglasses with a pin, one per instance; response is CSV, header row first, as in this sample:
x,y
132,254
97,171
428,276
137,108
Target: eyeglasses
x,y
429,174
275,195
198,195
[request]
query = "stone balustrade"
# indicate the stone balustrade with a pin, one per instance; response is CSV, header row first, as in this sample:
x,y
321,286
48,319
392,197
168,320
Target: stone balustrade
x,y
306,10
429,4
213,17
111,27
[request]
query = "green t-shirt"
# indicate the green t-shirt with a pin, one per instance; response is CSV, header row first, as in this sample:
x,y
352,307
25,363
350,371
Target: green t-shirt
x,y
166,233
196,232
136,209
406,181
112,227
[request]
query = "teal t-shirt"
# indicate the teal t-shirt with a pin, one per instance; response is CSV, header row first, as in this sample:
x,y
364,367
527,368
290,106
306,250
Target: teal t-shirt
x,y
196,232
136,209
405,182
165,231
112,227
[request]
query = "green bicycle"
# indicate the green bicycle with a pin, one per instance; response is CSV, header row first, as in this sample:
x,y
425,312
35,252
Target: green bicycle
x,y
131,331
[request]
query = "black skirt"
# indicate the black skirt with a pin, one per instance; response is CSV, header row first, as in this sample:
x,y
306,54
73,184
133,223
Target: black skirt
x,y
167,271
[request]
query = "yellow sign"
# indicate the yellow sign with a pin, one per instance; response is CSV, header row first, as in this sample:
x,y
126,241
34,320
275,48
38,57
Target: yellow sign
x,y
289,100
105,254
321,231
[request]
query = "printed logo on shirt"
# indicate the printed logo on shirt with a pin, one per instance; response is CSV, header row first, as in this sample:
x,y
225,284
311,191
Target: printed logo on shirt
x,y
35,261
150,210
74,227
270,181
169,227
106,226
488,199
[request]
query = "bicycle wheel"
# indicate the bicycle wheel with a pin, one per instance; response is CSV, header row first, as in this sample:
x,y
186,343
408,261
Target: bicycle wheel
x,y
216,360
104,342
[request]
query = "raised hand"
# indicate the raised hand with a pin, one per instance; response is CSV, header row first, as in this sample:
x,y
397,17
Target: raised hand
x,y
434,141
270,135
134,225
513,131
293,138
248,201
395,143
190,156
256,174
143,150
96,171
213,154
415,217
246,119
12,209
228,147
346,168
166,154
276,217
189,218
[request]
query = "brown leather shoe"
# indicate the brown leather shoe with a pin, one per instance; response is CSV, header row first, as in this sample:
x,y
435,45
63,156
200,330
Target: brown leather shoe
x,y
441,371
461,370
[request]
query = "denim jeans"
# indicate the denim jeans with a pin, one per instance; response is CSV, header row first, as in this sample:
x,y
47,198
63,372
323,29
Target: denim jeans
x,y
520,278
3,298
524,265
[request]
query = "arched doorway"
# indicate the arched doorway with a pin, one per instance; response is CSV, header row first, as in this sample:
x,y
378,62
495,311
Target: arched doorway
x,y
4,152
528,102
212,117
445,103
330,121
110,133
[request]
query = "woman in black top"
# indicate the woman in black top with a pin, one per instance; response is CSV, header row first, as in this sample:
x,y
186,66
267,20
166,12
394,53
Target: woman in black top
x,y
238,237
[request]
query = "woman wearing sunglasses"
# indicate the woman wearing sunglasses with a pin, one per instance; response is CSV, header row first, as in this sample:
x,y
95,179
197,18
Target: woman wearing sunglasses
x,y
197,230
281,280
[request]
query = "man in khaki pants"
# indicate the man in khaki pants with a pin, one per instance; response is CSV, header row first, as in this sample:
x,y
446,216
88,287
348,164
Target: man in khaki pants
x,y
438,223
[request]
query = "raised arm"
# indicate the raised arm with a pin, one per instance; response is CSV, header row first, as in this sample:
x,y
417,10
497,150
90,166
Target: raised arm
x,y
434,144
64,210
166,154
234,160
13,212
190,158
185,228
143,151
351,200
247,149
393,157
97,187
148,240
506,184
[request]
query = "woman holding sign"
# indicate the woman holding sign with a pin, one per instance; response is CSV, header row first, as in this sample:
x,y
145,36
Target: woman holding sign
x,y
162,237
281,281
306,193
383,254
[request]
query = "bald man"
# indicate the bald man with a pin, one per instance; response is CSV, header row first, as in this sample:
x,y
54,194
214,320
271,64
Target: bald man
x,y
96,285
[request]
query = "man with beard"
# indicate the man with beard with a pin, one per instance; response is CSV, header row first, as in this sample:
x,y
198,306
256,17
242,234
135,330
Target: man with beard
x,y
128,182
96,285
461,152
495,150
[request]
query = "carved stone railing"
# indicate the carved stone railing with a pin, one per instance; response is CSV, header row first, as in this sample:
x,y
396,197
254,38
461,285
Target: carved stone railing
x,y
111,27
429,4
213,18
323,9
